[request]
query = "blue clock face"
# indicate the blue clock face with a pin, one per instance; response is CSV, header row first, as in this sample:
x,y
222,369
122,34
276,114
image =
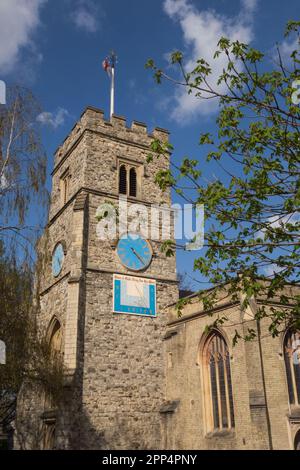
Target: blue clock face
x,y
134,252
57,260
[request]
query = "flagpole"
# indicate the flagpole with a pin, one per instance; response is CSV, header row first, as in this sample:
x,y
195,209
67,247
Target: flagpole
x,y
112,91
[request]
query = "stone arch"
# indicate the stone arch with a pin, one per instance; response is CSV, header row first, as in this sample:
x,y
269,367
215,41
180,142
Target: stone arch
x,y
54,335
205,337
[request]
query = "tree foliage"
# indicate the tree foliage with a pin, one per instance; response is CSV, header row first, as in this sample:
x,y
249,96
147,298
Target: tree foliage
x,y
252,205
28,354
22,188
22,166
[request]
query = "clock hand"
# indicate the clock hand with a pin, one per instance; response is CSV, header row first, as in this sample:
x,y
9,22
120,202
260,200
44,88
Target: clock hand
x,y
137,255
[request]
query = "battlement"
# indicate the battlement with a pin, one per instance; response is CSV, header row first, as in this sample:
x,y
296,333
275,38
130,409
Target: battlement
x,y
92,119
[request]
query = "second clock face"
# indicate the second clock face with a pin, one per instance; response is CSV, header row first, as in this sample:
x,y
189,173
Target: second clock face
x,y
134,252
57,260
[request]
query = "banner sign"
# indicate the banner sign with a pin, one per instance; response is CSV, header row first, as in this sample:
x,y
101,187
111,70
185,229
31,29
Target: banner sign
x,y
134,295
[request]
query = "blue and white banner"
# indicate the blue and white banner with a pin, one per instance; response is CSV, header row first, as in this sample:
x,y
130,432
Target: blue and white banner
x,y
134,295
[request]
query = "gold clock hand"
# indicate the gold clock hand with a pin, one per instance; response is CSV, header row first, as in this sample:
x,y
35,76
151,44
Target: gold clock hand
x,y
137,255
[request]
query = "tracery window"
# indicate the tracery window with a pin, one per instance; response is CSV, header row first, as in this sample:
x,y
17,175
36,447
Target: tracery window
x,y
292,365
218,386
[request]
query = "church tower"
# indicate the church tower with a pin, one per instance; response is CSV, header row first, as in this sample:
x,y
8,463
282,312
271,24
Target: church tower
x,y
102,300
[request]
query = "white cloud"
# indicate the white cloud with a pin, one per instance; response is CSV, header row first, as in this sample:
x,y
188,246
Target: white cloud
x,y
55,119
86,16
272,269
249,5
286,48
202,30
277,221
18,21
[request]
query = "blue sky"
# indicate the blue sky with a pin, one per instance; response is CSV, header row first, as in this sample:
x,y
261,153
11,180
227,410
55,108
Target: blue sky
x,y
56,47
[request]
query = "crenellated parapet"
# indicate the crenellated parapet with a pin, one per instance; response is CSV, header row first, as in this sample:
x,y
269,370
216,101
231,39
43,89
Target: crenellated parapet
x,y
93,120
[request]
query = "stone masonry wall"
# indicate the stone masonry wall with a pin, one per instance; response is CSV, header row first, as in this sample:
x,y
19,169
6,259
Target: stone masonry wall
x,y
124,376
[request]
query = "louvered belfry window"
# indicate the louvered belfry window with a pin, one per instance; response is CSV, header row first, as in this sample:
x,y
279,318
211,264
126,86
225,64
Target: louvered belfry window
x,y
217,362
123,180
132,181
128,180
292,365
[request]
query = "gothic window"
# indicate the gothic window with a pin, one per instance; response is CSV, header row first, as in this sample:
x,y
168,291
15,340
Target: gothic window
x,y
123,180
292,365
56,339
55,346
129,180
65,186
132,182
218,386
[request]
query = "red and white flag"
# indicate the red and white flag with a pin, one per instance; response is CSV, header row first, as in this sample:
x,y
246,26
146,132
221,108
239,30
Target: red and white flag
x,y
106,66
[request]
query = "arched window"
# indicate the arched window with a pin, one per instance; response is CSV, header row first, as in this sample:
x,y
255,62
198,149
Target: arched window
x,y
292,365
129,179
218,386
132,180
55,342
54,338
123,180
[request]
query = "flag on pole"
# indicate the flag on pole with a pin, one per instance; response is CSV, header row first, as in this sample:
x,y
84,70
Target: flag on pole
x,y
108,65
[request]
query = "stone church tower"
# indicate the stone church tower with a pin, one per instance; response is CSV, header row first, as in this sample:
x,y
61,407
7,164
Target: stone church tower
x,y
115,362
137,376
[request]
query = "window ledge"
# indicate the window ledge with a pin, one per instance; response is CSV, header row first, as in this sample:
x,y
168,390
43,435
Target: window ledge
x,y
225,433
